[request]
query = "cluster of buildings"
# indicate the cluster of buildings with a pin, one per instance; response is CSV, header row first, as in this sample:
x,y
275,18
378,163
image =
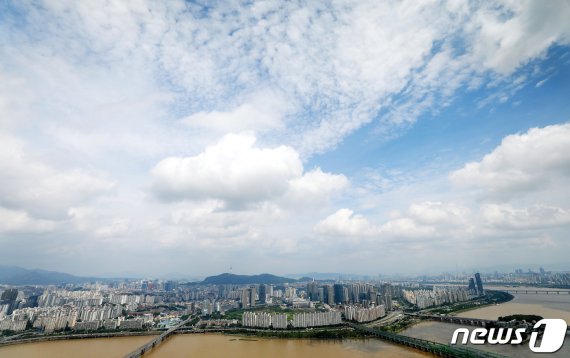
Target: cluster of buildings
x,y
439,295
153,303
57,309
316,319
264,320
352,293
15,323
299,320
423,298
361,314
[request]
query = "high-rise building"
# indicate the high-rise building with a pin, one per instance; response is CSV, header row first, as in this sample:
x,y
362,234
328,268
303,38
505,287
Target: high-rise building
x,y
263,293
252,295
472,287
313,291
8,299
328,291
321,294
170,285
338,293
479,282
244,298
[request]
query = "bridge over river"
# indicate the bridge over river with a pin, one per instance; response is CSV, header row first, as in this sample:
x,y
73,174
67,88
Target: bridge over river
x,y
438,349
466,321
155,342
454,319
538,292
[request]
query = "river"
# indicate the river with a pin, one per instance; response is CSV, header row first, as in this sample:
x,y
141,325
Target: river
x,y
547,306
212,345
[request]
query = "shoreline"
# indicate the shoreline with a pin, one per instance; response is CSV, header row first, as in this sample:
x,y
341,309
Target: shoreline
x,y
486,304
79,336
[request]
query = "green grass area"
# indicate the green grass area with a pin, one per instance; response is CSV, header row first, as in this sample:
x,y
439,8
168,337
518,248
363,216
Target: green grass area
x,y
399,325
192,321
520,317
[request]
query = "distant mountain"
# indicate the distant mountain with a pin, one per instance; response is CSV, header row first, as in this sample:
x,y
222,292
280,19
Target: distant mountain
x,y
325,276
14,275
231,279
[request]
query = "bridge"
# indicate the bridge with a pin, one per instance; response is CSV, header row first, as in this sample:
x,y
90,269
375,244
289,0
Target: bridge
x,y
454,319
438,349
538,292
155,342
460,320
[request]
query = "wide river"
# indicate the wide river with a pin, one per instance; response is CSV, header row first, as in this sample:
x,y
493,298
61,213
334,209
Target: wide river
x,y
222,346
211,345
547,306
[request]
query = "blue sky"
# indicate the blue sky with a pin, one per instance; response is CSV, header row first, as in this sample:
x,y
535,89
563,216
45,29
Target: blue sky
x,y
400,137
463,131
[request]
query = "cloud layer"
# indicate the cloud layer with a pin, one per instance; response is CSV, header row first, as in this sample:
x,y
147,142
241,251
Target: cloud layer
x,y
178,130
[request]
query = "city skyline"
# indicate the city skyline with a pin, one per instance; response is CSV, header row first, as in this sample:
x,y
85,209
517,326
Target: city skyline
x,y
356,137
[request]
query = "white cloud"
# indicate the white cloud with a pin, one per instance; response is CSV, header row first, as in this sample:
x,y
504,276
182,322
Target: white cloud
x,y
408,228
505,216
97,95
236,171
315,187
439,213
510,33
536,161
337,66
345,223
18,221
29,184
231,170
263,112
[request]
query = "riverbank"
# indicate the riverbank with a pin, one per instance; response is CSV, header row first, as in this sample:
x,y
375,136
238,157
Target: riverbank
x,y
333,333
62,337
491,298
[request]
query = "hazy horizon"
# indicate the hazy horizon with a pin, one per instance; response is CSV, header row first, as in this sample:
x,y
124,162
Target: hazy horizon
x,y
375,137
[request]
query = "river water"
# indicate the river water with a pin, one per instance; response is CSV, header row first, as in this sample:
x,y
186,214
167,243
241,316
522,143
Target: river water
x,y
222,346
212,345
547,306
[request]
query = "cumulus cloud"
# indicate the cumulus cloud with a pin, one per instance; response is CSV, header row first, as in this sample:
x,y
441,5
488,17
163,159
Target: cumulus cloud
x,y
505,216
522,164
420,221
439,213
122,88
345,223
315,186
262,112
18,221
28,183
236,171
511,33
